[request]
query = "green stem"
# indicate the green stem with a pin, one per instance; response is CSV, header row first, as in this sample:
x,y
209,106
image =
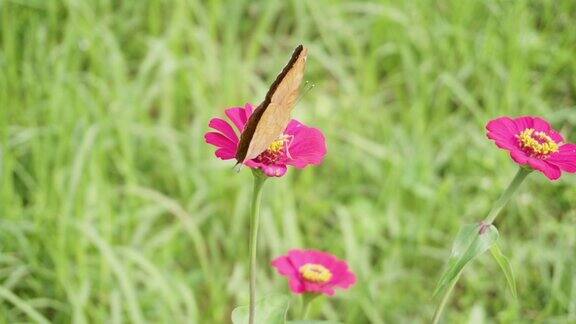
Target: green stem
x,y
259,180
307,299
503,200
444,301
494,212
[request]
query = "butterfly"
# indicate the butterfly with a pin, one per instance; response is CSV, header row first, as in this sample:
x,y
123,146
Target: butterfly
x,y
272,116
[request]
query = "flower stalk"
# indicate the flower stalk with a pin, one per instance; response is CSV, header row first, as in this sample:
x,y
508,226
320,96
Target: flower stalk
x,y
520,176
259,179
307,299
505,197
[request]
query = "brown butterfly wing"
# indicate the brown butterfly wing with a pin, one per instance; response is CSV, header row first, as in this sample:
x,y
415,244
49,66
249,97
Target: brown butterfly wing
x,y
273,115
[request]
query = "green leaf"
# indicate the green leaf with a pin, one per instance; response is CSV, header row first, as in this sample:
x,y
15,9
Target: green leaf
x,y
471,241
269,310
506,268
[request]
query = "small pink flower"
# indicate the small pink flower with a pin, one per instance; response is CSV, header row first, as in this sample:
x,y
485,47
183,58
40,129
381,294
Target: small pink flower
x,y
532,141
299,146
311,271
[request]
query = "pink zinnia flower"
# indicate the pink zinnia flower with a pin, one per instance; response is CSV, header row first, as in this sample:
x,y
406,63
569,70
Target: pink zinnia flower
x,y
299,146
532,141
311,271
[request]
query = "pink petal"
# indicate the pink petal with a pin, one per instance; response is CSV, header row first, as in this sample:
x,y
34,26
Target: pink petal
x,y
308,145
298,257
507,143
225,153
284,266
273,170
248,110
567,166
557,137
238,116
339,267
565,158
503,132
297,286
325,259
524,122
253,164
347,280
568,148
549,170
541,125
219,140
519,156
313,287
225,128
342,276
293,127
328,291
503,126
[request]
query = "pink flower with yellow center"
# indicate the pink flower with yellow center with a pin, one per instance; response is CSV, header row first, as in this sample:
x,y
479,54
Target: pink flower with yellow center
x,y
298,146
531,141
311,271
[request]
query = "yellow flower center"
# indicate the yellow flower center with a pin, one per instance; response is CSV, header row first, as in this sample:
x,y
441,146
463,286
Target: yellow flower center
x,y
275,152
315,273
277,145
537,142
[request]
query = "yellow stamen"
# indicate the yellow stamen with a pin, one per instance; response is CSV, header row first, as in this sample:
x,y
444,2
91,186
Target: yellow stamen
x,y
537,142
276,146
315,273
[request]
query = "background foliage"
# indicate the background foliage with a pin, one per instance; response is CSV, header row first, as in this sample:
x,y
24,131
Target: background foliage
x,y
113,209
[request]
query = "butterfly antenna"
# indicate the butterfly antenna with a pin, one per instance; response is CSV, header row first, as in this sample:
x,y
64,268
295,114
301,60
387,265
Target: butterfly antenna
x,y
237,167
307,87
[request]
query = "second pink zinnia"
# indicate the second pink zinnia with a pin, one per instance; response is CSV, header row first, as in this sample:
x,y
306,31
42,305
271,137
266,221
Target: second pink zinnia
x,y
533,142
312,271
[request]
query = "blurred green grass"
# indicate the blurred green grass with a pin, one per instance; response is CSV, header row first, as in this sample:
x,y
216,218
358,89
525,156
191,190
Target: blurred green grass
x,y
114,210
